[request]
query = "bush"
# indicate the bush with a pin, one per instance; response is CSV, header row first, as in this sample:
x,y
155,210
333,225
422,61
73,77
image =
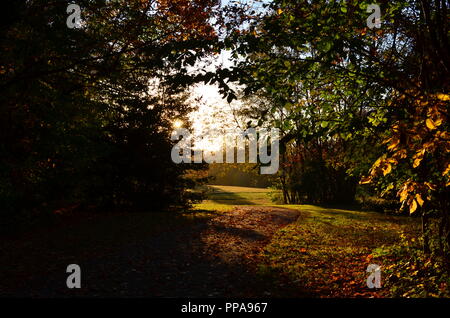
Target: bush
x,y
372,203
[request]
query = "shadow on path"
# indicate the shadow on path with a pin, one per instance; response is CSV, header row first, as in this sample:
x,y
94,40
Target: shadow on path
x,y
209,258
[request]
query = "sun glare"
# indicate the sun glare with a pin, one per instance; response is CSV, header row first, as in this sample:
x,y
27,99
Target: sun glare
x,y
177,123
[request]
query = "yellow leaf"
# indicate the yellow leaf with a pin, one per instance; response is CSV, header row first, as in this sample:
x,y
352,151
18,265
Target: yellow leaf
x,y
430,124
394,144
392,160
419,199
403,195
387,169
402,154
438,122
280,11
412,206
444,97
447,170
377,163
365,180
444,135
417,162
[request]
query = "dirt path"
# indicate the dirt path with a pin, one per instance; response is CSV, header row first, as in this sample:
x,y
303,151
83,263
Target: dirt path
x,y
212,258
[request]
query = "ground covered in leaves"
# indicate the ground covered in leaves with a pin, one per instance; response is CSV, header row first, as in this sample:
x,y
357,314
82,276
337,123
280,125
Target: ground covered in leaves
x,y
232,245
197,255
327,251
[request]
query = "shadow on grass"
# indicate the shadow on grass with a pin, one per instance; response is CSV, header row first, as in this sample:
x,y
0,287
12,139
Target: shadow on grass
x,y
229,198
366,228
354,212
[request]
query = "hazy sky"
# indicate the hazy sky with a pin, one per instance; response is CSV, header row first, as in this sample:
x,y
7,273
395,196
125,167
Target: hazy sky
x,y
214,111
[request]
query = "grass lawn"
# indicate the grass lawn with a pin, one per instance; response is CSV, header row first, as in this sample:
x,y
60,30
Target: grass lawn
x,y
327,251
224,198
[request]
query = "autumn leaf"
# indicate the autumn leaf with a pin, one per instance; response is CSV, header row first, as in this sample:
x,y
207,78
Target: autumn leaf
x,y
419,199
417,162
443,97
430,186
403,194
438,122
430,124
412,206
447,170
387,169
365,180
395,142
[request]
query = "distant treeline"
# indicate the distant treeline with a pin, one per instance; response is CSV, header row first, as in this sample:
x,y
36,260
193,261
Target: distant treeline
x,y
243,175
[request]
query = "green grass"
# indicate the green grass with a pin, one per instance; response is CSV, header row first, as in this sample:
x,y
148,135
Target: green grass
x,y
326,252
224,198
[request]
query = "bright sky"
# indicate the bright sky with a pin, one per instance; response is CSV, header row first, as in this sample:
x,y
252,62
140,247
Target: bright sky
x,y
215,112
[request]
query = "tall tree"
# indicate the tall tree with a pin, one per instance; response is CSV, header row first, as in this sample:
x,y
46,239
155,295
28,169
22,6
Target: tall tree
x,y
387,84
86,113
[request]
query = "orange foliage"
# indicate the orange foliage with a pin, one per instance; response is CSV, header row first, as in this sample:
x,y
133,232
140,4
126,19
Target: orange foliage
x,y
193,17
414,139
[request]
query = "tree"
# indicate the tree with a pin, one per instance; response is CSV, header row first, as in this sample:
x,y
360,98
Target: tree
x,y
371,85
81,121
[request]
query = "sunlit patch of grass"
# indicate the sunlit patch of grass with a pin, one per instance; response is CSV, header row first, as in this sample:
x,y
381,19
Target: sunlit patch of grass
x,y
211,206
230,195
239,189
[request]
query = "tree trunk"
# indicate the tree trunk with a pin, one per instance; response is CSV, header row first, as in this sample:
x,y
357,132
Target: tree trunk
x,y
425,233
